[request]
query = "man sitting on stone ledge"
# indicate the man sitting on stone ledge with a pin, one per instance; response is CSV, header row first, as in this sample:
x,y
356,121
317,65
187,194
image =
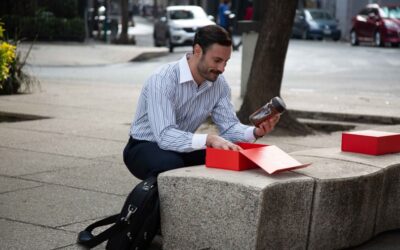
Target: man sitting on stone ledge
x,y
176,100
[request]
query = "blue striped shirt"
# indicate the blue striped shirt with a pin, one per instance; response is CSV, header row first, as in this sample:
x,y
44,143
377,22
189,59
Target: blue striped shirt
x,y
172,106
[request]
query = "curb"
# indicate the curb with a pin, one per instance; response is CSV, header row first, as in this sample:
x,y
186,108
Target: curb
x,y
358,118
147,56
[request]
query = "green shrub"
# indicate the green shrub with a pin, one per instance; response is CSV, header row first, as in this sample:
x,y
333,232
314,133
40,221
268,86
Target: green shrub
x,y
19,7
63,8
48,20
12,77
7,57
60,8
45,26
75,29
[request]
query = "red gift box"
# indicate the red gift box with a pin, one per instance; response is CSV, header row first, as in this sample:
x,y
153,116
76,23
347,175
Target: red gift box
x,y
371,142
268,157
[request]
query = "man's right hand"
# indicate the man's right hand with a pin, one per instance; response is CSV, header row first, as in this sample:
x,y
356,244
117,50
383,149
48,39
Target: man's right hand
x,y
215,141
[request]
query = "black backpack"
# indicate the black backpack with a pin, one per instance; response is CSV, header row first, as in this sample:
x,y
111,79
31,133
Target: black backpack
x,y
135,227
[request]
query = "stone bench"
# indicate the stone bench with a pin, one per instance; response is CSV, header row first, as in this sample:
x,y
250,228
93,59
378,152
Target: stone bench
x,y
341,200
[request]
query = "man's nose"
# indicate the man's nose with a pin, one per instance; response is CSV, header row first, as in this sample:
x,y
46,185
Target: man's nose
x,y
221,67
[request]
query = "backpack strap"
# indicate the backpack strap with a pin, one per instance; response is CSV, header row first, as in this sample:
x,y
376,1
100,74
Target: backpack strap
x,y
86,238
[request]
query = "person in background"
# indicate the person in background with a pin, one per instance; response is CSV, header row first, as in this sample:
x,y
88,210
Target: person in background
x,y
177,99
222,20
249,12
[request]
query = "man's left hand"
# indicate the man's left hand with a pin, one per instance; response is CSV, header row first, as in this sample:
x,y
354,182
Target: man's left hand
x,y
266,126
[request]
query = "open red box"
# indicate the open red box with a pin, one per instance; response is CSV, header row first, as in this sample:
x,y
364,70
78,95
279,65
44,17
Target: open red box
x,y
268,157
371,142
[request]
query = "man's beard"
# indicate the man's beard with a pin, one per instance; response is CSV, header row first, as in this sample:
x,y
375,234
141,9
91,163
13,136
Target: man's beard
x,y
207,73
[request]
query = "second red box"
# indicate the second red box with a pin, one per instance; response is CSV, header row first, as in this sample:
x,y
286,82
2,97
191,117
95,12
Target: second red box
x,y
371,142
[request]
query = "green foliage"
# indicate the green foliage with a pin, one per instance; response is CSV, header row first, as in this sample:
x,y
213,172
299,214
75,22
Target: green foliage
x,y
75,28
60,8
12,78
49,20
19,7
7,56
63,8
45,26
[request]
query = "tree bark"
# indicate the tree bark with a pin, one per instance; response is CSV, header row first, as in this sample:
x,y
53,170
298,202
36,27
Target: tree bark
x,y
265,79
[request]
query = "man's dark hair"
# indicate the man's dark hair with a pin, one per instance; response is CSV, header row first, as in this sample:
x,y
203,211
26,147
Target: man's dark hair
x,y
208,35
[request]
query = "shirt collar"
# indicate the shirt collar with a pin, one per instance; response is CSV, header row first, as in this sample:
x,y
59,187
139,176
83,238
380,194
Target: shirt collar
x,y
185,75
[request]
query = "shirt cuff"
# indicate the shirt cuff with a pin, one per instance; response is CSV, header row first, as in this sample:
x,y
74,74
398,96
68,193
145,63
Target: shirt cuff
x,y
249,134
199,141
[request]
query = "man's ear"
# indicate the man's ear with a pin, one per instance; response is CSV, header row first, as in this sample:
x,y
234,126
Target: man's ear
x,y
197,51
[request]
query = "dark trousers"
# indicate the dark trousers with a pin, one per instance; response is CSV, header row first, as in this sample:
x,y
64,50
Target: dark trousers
x,y
145,159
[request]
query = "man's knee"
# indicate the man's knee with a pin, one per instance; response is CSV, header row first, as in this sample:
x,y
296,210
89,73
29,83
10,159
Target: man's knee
x,y
147,159
167,161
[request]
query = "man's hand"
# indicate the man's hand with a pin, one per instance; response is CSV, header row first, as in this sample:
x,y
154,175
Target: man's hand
x,y
266,126
216,141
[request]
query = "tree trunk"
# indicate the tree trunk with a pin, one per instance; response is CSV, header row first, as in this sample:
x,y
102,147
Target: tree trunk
x,y
265,79
124,38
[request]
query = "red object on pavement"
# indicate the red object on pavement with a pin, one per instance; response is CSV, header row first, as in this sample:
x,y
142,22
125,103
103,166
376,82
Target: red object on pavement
x,y
268,157
371,142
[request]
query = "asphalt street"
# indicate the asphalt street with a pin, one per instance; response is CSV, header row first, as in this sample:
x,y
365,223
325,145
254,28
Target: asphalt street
x,y
331,74
326,67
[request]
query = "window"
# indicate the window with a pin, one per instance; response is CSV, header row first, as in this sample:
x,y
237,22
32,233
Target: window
x,y
181,14
299,15
364,12
320,15
390,12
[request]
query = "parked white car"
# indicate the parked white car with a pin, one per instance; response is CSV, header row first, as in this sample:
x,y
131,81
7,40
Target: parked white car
x,y
179,25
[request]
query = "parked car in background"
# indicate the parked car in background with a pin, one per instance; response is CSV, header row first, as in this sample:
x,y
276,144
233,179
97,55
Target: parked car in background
x,y
178,26
377,24
315,24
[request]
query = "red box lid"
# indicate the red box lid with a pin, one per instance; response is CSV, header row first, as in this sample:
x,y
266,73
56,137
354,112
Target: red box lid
x,y
270,158
273,159
372,133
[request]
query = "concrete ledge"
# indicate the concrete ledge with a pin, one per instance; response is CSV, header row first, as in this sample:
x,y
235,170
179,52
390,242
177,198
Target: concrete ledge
x,y
341,200
345,199
204,208
388,214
